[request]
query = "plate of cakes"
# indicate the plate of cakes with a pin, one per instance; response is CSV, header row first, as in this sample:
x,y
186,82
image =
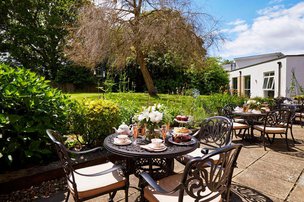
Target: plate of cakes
x,y
181,136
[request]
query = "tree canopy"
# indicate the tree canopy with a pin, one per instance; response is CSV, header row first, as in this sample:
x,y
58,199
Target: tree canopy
x,y
32,32
116,30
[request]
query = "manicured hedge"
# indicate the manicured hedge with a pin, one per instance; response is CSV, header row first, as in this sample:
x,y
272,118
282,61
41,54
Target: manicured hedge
x,y
94,120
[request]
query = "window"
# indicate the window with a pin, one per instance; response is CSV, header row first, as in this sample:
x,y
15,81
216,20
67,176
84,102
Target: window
x,y
268,84
247,86
234,85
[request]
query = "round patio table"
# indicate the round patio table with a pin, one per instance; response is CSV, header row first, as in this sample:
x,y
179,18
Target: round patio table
x,y
158,164
251,118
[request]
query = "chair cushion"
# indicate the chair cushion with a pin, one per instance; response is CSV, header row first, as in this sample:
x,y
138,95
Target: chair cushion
x,y
169,183
239,120
196,153
276,130
239,126
89,186
299,114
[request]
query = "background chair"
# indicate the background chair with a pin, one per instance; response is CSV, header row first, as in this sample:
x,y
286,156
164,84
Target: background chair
x,y
215,132
89,182
293,111
203,179
276,122
239,124
299,115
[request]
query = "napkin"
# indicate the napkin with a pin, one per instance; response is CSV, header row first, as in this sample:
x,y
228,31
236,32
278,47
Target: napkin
x,y
238,109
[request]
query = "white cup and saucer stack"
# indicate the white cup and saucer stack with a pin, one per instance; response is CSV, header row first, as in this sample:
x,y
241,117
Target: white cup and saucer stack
x,y
157,144
122,140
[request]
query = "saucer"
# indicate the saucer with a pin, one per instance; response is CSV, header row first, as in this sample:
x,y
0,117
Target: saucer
x,y
127,142
150,148
161,148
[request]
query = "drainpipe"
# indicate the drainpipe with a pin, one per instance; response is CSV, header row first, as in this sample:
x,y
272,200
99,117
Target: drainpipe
x,y
240,84
279,78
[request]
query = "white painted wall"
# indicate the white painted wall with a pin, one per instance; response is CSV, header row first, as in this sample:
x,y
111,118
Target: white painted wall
x,y
297,64
257,75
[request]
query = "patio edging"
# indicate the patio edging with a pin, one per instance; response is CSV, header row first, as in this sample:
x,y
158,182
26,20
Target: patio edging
x,y
25,178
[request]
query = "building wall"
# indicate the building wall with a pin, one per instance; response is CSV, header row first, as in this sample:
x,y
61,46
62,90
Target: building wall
x,y
256,72
257,77
295,63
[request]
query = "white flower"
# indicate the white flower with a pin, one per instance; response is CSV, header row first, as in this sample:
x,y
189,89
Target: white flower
x,y
144,115
153,108
150,115
155,116
251,102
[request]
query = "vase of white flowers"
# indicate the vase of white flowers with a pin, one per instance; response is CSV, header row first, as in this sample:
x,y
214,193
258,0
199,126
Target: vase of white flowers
x,y
150,119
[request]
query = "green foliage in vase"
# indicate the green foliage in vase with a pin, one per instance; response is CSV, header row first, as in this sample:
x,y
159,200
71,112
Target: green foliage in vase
x,y
29,105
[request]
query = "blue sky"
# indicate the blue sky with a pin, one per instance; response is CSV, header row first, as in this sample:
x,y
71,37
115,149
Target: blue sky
x,y
255,27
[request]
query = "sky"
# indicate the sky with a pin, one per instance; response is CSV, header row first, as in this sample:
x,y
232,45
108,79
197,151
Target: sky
x,y
254,27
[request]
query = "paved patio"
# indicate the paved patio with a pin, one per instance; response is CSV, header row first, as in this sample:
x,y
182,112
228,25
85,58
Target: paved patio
x,y
272,175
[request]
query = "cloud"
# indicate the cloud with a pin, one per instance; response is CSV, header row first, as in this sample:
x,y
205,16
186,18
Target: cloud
x,y
275,1
270,10
276,29
238,26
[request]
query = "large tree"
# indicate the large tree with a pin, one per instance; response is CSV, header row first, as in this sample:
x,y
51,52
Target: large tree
x,y
32,32
115,30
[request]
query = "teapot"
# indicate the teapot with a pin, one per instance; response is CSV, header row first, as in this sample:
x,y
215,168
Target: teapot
x,y
123,129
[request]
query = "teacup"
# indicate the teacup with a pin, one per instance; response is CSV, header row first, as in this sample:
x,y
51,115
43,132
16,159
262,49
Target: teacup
x,y
122,138
156,143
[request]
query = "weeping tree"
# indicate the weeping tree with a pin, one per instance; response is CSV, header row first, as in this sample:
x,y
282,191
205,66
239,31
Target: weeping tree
x,y
115,30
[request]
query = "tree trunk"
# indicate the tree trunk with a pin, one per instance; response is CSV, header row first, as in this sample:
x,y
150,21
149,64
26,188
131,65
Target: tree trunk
x,y
146,74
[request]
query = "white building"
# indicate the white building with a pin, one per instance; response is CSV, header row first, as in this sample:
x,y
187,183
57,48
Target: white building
x,y
267,75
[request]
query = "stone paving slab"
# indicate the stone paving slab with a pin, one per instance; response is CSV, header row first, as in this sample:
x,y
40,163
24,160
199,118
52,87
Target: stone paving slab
x,y
277,171
264,183
248,156
297,194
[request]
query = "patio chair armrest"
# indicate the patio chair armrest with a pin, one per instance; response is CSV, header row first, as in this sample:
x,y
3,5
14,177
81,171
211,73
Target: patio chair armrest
x,y
86,151
115,167
196,133
154,185
206,150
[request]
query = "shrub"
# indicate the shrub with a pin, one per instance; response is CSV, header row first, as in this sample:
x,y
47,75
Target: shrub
x,y
219,100
28,107
94,120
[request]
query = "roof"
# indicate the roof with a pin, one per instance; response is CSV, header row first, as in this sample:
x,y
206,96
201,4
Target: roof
x,y
278,55
283,56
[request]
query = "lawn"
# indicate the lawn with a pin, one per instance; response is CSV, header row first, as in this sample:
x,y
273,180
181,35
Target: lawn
x,y
200,107
177,104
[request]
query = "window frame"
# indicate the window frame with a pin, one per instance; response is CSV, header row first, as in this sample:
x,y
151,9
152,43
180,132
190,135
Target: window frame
x,y
234,81
247,89
269,81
